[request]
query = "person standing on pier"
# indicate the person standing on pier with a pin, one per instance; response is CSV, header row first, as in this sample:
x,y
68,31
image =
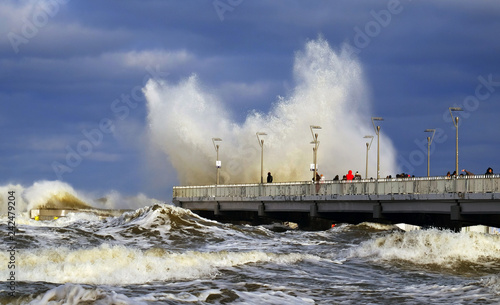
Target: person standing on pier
x,y
269,178
317,179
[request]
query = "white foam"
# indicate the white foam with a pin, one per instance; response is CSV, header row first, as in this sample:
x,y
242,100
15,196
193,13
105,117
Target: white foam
x,y
124,265
330,91
115,200
70,294
433,246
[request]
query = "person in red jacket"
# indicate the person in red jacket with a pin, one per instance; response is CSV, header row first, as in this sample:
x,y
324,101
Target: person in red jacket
x,y
350,176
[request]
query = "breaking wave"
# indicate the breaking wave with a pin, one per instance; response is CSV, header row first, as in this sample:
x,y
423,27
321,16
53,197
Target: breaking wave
x,y
435,248
120,265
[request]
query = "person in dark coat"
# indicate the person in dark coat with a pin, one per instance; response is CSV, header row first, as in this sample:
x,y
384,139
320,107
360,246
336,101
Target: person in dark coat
x,y
489,171
317,178
269,178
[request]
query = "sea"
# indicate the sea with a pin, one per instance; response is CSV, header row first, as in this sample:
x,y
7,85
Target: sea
x,y
163,254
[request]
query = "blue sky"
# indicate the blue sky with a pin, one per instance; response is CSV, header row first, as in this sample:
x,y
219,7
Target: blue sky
x,y
69,68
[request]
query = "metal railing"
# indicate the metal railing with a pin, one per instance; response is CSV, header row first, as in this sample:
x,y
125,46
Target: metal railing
x,y
421,185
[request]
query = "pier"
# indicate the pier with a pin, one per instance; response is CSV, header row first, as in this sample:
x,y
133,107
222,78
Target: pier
x,y
429,202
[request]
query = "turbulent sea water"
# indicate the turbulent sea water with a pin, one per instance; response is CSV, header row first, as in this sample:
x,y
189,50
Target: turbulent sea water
x,y
161,254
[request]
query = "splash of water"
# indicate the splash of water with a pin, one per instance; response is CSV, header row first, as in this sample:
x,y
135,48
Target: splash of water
x,y
330,91
54,194
60,195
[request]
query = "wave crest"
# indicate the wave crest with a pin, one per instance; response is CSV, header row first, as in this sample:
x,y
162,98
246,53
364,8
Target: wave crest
x,y
434,248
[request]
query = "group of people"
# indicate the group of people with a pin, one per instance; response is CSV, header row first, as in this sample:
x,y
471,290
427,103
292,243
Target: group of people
x,y
349,176
489,171
357,176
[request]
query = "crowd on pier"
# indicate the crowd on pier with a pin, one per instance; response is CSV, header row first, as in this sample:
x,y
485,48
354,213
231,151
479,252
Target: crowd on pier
x,y
356,176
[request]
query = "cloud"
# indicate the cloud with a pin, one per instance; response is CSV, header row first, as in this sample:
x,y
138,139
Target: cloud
x,y
163,58
105,157
54,143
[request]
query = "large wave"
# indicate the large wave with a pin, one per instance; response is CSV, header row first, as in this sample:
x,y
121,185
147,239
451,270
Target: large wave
x,y
330,91
433,248
117,264
61,195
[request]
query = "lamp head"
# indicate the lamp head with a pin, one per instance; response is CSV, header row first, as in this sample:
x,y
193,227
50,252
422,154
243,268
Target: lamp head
x,y
216,140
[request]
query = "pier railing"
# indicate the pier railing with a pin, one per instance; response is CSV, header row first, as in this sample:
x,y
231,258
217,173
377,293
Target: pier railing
x,y
421,185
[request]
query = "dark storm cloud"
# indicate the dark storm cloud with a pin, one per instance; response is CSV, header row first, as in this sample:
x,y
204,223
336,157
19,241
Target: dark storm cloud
x,y
64,63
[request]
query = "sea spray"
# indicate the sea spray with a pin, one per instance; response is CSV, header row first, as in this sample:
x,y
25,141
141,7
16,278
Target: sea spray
x,y
4,198
330,91
54,194
61,195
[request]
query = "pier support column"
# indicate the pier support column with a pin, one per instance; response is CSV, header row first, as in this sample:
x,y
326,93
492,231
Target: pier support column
x,y
262,210
314,210
377,211
217,209
455,212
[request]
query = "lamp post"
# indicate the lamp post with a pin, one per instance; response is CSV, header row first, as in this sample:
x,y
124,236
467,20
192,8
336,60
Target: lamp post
x,y
261,143
218,164
368,145
377,132
429,142
455,123
315,149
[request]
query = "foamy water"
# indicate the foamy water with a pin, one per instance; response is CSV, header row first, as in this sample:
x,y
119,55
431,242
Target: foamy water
x,y
165,254
119,265
434,247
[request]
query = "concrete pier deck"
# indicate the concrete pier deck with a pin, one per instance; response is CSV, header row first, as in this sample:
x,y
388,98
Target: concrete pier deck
x,y
430,201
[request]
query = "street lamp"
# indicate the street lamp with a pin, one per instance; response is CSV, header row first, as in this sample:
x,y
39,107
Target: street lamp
x,y
429,142
261,143
218,164
377,132
315,149
368,145
455,122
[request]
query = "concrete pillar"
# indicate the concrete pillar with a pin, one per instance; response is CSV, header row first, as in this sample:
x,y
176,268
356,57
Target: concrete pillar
x,y
262,210
217,209
455,212
314,210
377,211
